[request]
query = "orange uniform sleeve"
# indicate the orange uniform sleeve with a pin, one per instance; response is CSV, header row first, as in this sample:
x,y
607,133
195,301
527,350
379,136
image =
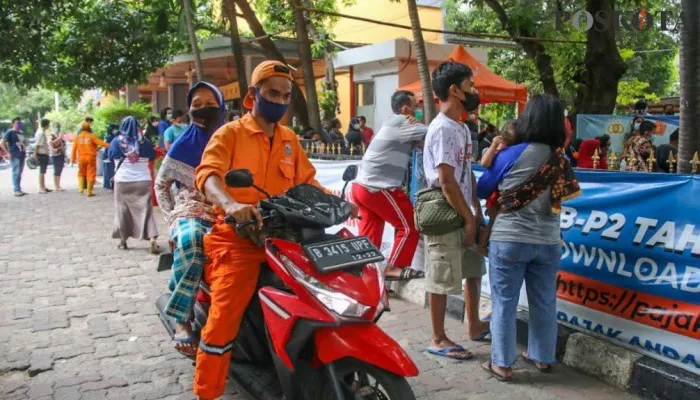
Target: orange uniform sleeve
x,y
97,142
74,150
217,156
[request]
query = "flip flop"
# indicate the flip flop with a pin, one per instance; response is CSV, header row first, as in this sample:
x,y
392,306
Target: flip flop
x,y
185,340
489,368
483,337
545,370
406,275
445,352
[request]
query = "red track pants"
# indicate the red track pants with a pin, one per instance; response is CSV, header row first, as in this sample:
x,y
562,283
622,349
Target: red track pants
x,y
392,206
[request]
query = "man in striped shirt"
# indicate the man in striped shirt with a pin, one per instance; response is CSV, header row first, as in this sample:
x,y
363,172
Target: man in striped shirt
x,y
377,190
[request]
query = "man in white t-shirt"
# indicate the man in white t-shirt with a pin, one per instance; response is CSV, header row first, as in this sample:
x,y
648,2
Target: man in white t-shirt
x,y
41,152
451,257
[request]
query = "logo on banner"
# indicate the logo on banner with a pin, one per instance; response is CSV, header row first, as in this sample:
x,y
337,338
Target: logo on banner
x,y
616,127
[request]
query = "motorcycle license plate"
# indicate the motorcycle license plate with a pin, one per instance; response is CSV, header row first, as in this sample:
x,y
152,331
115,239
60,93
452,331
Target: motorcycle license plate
x,y
343,253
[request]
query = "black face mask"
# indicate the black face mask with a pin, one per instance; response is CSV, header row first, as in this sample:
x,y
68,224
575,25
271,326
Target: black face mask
x,y
471,102
210,115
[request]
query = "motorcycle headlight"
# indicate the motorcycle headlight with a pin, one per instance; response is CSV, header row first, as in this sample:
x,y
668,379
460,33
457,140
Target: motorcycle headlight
x,y
332,299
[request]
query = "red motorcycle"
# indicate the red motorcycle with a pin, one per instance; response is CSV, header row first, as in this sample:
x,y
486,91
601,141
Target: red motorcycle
x,y
310,331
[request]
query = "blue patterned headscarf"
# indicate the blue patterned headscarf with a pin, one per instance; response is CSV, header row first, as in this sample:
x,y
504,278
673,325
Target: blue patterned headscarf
x,y
186,152
130,143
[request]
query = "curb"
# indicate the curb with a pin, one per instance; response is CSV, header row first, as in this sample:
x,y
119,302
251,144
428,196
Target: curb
x,y
625,369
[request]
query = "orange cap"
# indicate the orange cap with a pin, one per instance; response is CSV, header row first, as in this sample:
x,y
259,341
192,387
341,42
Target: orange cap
x,y
264,70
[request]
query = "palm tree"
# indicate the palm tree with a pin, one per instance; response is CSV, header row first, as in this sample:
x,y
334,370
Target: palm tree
x,y
422,59
304,46
689,140
189,22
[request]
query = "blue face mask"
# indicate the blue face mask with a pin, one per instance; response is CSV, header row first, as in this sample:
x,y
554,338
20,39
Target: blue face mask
x,y
272,112
636,126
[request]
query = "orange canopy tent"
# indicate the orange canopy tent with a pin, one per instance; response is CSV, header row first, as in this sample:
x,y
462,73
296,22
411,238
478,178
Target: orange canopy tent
x,y
492,87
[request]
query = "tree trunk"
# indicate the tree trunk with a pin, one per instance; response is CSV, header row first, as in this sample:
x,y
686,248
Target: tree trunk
x,y
597,91
237,50
271,52
329,80
307,67
422,59
689,140
533,49
189,21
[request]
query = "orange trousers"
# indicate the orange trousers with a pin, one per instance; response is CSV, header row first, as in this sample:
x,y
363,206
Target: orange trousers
x,y
231,270
88,169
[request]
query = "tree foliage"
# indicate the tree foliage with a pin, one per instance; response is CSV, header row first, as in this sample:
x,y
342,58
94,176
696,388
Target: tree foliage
x,y
114,113
72,45
276,16
655,68
27,104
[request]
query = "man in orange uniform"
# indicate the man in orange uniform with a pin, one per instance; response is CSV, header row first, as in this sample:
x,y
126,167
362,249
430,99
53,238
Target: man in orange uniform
x,y
85,150
277,161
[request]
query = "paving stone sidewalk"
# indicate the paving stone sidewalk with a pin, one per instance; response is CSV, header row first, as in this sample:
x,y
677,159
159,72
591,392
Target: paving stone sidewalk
x,y
77,316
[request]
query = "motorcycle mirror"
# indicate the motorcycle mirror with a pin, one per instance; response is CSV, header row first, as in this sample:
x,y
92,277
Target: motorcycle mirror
x,y
239,178
350,173
242,178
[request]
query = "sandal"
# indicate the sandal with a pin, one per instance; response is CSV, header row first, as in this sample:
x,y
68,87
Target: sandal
x,y
488,367
189,350
406,275
122,246
155,249
483,336
544,370
449,352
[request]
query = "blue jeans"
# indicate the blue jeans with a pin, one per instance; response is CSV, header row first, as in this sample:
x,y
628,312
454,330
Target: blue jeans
x,y
509,264
17,168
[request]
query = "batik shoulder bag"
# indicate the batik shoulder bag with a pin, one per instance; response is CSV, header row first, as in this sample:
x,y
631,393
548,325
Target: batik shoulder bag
x,y
433,214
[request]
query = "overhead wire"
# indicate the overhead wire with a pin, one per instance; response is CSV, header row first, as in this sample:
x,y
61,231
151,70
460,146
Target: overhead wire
x,y
441,31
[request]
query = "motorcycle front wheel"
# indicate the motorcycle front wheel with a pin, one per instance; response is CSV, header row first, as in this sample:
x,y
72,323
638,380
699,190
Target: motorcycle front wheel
x,y
359,380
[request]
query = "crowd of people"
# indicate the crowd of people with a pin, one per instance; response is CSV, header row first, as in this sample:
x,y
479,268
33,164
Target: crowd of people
x,y
527,176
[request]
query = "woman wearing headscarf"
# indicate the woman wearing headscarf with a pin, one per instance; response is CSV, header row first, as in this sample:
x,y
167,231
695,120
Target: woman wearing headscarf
x,y
107,164
354,137
587,152
152,130
85,151
187,213
132,185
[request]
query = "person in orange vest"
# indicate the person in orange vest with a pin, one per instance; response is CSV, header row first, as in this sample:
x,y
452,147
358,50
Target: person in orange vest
x,y
85,151
274,156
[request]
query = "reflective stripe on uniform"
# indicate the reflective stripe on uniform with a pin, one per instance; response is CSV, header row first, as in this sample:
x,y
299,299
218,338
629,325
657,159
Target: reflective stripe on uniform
x,y
215,350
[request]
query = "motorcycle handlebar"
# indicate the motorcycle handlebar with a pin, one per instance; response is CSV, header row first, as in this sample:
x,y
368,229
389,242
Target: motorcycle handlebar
x,y
239,226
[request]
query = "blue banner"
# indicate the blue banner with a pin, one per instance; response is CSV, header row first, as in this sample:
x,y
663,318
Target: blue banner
x,y
589,126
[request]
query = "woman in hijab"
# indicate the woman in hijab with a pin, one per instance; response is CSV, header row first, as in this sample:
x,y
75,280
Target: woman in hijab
x,y
354,137
187,213
152,130
132,186
107,164
587,152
